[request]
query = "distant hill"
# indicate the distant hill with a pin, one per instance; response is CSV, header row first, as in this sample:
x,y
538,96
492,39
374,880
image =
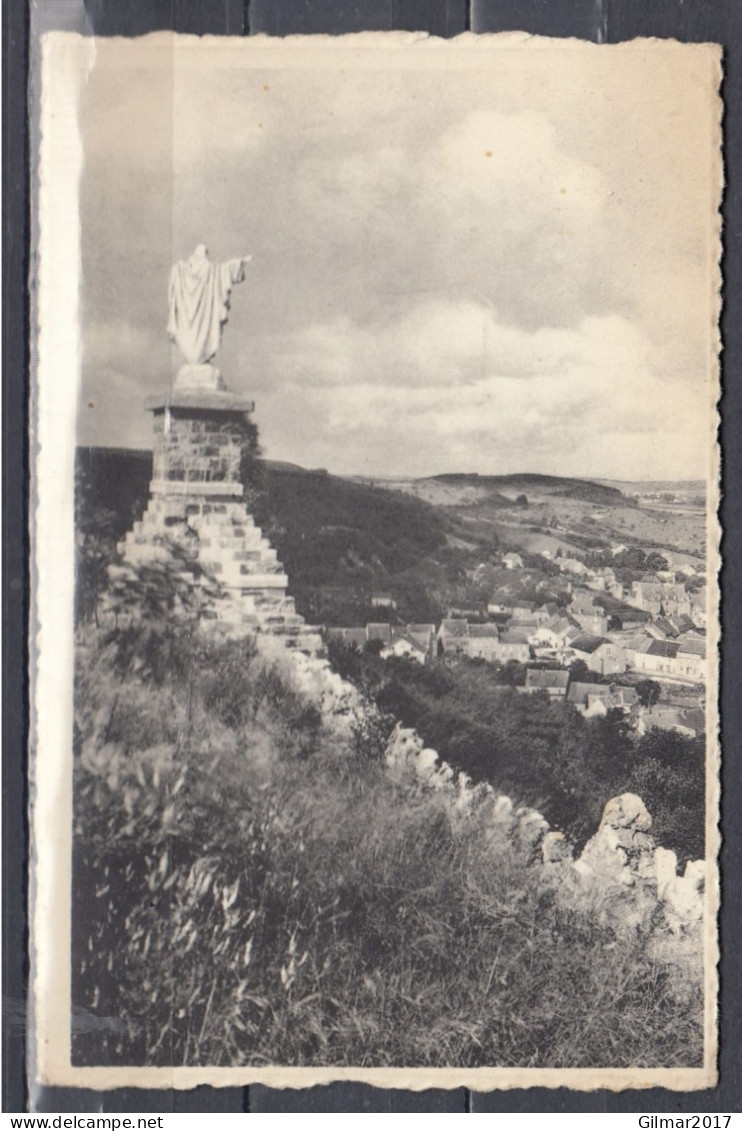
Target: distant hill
x,y
561,486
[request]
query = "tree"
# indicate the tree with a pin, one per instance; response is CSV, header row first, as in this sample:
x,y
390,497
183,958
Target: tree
x,y
649,692
521,501
615,624
655,562
579,671
633,558
514,673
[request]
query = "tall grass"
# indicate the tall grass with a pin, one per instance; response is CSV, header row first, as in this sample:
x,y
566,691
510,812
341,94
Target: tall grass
x,y
248,889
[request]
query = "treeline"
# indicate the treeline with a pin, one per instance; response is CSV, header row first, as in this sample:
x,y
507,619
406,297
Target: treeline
x,y
538,750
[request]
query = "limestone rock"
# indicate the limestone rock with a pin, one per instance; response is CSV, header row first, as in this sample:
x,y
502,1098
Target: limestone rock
x,y
622,852
530,827
681,896
555,848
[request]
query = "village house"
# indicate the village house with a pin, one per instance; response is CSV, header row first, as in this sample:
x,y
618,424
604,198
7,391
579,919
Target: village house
x,y
631,621
405,645
380,632
698,610
414,640
417,641
596,582
554,683
646,594
592,699
512,561
426,631
660,628
529,625
584,602
670,659
676,603
691,660
543,613
555,633
484,642
625,698
594,622
573,566
513,645
353,636
453,636
682,624
638,645
606,657
466,612
500,608
383,601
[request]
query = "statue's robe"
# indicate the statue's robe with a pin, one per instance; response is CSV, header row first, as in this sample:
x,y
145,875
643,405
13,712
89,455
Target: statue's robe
x,y
199,303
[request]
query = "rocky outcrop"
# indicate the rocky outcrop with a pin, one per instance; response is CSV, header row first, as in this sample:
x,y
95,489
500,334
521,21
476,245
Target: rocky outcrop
x,y
621,875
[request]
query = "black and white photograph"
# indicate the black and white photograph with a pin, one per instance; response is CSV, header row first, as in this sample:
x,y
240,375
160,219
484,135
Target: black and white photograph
x,y
375,540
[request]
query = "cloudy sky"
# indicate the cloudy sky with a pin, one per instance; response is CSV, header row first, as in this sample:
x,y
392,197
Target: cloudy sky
x,y
463,260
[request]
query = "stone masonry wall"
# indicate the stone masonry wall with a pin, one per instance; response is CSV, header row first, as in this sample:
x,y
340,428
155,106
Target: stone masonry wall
x,y
198,449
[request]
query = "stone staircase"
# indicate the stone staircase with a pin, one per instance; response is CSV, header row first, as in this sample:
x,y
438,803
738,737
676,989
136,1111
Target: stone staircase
x,y
196,506
241,581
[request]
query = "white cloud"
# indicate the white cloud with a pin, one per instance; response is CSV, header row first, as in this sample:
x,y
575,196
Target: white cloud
x,y
449,385
508,274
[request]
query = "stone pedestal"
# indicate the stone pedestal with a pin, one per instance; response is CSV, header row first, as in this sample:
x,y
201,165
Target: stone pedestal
x,y
196,504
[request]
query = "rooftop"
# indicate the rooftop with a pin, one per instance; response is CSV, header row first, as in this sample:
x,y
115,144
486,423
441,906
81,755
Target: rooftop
x,y
454,627
535,678
588,642
381,632
663,648
514,636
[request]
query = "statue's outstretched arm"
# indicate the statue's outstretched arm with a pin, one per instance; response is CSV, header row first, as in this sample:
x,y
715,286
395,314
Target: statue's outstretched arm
x,y
235,268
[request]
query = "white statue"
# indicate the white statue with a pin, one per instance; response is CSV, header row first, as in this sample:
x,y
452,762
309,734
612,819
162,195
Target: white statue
x,y
198,299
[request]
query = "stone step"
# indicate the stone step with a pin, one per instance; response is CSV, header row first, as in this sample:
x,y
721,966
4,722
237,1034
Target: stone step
x,y
252,585
243,574
252,541
265,555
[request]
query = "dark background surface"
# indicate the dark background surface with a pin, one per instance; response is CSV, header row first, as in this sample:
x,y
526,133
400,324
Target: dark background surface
x,y
608,21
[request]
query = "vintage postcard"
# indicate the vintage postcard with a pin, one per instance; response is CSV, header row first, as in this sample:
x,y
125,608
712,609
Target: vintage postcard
x,y
375,625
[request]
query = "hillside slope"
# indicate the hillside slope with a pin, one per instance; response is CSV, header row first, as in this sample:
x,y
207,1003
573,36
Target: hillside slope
x,y
341,541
